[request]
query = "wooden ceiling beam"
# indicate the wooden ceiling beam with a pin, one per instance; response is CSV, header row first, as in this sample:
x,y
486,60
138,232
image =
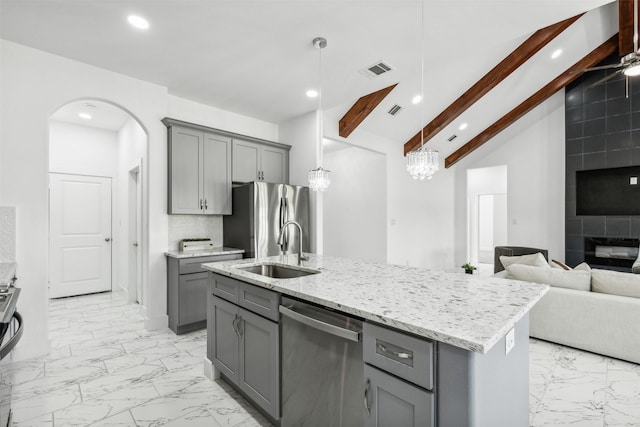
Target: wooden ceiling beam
x,y
625,27
596,56
360,110
508,65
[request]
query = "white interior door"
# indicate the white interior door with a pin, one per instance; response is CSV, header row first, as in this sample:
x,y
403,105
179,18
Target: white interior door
x,y
79,235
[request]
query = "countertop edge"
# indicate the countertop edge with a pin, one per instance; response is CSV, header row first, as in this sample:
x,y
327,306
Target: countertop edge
x,y
478,347
210,252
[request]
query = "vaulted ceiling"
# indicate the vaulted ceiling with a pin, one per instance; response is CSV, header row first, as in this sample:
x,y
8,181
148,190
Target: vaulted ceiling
x,y
256,57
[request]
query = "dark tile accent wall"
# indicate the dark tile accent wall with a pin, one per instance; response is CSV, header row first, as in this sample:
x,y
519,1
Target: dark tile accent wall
x,y
602,131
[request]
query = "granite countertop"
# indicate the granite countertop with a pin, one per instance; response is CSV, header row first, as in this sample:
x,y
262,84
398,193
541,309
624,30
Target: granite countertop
x,y
462,310
207,252
7,271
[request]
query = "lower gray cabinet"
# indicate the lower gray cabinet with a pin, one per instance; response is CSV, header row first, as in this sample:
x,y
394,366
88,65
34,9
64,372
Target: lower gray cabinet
x,y
392,402
243,345
187,285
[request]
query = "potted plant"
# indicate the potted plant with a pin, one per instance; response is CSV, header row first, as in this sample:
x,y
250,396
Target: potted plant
x,y
468,268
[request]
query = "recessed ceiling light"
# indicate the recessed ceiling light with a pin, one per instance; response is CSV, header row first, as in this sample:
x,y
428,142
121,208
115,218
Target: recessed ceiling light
x,y
138,22
463,126
416,99
312,93
85,116
556,53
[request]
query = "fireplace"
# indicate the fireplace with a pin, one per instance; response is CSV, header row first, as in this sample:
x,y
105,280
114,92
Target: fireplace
x,y
616,253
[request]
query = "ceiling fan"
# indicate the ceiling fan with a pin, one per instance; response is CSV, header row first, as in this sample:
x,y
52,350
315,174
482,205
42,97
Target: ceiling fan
x,y
630,63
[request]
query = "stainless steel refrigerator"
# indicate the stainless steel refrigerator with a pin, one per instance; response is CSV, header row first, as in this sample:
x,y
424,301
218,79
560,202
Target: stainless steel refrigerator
x,y
259,210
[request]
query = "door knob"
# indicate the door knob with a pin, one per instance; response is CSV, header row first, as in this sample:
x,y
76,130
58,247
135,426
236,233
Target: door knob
x,y
108,239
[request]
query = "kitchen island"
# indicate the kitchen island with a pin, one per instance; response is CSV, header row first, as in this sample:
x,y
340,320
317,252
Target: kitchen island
x,y
476,326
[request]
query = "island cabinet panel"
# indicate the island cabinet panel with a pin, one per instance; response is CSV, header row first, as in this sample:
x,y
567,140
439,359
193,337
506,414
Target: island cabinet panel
x,y
226,341
390,402
243,339
187,285
490,389
259,359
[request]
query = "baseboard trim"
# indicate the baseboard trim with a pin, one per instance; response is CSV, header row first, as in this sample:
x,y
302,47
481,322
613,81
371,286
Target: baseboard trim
x,y
210,371
156,323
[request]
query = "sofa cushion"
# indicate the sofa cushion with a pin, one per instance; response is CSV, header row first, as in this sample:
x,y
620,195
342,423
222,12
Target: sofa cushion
x,y
571,279
615,283
536,259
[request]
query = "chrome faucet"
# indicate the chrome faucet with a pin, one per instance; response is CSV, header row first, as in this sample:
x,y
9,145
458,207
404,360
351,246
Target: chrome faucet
x,y
301,256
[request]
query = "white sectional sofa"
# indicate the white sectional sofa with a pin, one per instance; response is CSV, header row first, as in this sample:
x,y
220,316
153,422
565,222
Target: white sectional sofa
x,y
590,309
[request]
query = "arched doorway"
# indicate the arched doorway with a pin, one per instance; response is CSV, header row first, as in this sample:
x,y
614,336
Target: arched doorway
x,y
97,155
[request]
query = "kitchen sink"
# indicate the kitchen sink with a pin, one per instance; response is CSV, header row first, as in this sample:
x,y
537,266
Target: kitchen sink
x,y
277,271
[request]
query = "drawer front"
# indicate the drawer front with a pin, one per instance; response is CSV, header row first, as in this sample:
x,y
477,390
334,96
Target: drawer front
x,y
403,355
225,287
193,265
259,300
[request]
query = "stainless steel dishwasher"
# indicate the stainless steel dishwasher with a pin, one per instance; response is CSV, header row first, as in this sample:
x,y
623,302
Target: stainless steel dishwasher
x,y
322,367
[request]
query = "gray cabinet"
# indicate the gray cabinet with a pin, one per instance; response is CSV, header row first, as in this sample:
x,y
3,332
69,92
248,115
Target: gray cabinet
x,y
399,378
243,340
254,161
199,171
187,291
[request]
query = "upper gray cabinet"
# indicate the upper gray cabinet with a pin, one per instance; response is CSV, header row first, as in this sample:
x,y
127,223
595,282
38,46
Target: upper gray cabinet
x,y
255,161
199,171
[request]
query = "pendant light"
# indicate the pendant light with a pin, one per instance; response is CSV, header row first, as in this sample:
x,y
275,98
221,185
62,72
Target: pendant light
x,y
319,179
422,163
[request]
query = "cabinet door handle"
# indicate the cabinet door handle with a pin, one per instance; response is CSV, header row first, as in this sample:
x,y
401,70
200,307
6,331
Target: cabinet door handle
x,y
206,205
399,354
201,204
367,389
234,324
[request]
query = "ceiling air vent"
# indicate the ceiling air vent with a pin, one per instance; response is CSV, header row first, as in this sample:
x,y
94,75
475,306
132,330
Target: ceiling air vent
x,y
394,110
377,69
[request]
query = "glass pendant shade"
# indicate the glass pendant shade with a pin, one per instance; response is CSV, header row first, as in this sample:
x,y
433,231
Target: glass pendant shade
x,y
319,179
422,163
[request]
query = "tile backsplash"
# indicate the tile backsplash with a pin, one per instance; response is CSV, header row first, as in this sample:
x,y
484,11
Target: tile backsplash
x,y
194,226
8,234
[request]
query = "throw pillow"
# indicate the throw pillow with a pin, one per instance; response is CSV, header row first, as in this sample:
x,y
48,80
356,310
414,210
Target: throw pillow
x,y
635,268
582,266
536,259
557,264
615,283
579,280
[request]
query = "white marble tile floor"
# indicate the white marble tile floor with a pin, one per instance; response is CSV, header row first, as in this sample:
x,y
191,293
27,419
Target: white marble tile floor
x,y
104,369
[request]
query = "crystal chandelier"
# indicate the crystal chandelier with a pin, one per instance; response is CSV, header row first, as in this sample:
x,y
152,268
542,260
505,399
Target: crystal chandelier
x,y
319,179
422,163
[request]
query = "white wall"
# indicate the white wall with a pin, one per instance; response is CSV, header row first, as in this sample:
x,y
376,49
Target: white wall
x,y
29,98
419,225
301,134
82,150
132,148
355,205
206,115
533,150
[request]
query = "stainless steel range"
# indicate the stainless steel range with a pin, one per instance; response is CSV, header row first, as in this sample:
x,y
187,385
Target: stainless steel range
x,y
10,332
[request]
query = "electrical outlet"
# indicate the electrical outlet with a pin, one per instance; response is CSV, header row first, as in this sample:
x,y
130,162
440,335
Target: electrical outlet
x,y
510,341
